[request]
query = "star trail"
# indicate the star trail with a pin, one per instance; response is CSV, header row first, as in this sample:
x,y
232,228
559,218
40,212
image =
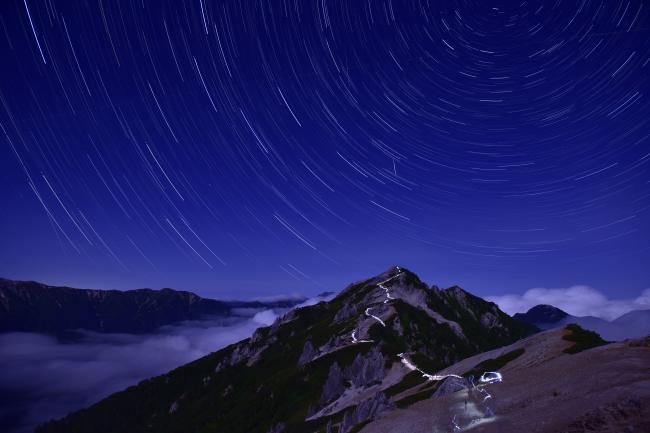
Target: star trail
x,y
248,148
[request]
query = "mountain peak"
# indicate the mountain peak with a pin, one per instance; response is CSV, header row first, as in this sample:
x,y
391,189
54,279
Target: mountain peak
x,y
396,274
337,363
395,283
542,313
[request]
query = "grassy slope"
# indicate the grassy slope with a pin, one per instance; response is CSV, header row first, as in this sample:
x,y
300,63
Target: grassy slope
x,y
582,339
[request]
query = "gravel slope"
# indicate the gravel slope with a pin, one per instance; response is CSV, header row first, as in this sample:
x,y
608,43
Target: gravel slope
x,y
605,389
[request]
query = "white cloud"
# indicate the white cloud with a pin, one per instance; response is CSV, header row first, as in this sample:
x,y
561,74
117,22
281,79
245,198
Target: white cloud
x,y
328,296
575,300
42,378
265,318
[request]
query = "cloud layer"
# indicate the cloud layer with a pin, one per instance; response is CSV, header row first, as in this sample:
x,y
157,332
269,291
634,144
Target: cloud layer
x,y
42,378
575,300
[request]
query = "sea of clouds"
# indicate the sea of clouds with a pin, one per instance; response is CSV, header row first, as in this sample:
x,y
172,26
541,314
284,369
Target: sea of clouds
x,y
42,378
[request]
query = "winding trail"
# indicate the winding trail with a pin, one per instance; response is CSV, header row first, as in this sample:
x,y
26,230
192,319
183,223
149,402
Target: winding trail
x,y
486,378
374,317
428,376
356,340
403,358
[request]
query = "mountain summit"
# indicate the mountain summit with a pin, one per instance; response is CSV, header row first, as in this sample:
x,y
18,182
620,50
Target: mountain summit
x,y
333,365
634,324
542,313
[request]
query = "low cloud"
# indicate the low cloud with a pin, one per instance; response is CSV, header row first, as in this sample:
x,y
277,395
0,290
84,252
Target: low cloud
x,y
575,300
42,378
326,296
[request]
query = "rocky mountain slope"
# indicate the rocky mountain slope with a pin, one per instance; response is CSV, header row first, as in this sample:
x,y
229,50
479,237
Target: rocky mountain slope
x,y
34,307
634,324
553,382
333,366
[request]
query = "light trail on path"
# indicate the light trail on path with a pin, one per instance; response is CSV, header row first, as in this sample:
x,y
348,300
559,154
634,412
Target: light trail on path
x,y
485,379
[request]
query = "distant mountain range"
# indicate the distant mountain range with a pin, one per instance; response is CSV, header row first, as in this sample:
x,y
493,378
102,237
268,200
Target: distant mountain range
x,y
634,324
330,367
29,306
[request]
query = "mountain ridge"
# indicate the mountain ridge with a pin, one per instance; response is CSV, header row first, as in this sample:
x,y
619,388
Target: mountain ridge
x,y
29,306
330,364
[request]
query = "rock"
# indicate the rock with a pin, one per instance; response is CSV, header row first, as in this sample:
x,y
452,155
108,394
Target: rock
x,y
242,351
365,411
289,316
366,369
451,385
490,320
332,344
397,326
347,311
333,387
258,335
308,353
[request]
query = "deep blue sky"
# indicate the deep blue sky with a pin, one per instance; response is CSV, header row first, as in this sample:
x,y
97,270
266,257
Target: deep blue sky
x,y
246,148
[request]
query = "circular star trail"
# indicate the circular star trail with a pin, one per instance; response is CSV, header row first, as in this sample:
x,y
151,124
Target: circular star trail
x,y
249,147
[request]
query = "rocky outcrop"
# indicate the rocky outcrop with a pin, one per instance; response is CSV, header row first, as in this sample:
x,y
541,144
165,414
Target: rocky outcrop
x,y
364,411
346,312
333,343
241,353
490,320
366,369
284,319
333,387
308,353
397,326
451,385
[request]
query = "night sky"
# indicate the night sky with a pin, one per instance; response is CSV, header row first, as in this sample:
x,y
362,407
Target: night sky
x,y
246,148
